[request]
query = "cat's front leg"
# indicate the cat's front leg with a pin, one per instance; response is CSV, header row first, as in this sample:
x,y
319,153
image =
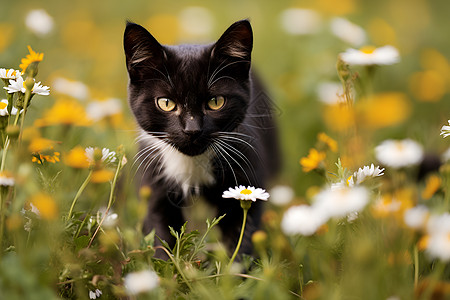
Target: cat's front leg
x,y
164,210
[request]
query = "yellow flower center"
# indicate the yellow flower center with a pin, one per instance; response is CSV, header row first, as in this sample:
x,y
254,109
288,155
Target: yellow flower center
x,y
3,105
367,49
246,192
348,179
399,145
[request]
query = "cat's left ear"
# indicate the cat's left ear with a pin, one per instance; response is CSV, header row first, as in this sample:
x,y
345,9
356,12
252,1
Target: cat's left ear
x,y
142,50
236,42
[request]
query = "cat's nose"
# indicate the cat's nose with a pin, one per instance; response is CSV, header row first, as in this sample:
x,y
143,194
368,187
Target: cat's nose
x,y
192,127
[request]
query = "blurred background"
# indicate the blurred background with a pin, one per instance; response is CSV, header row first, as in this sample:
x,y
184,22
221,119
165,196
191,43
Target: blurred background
x,y
295,52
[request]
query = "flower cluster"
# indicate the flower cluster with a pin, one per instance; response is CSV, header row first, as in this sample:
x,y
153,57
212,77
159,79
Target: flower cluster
x,y
327,204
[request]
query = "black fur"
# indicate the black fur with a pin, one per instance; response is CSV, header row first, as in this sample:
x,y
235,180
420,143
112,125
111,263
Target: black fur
x,y
244,128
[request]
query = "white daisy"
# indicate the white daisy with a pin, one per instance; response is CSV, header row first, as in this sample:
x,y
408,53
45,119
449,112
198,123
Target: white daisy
x,y
16,86
303,220
368,55
438,229
439,246
246,193
140,282
39,22
6,180
19,86
4,107
110,220
298,21
71,88
339,202
446,155
98,110
416,217
107,155
9,73
399,153
281,194
348,31
330,92
367,171
445,130
40,89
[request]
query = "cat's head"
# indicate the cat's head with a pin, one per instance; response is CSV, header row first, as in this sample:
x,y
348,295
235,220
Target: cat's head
x,y
188,94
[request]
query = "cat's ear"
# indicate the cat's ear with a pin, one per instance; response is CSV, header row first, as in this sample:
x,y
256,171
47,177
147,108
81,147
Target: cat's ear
x,y
236,42
141,50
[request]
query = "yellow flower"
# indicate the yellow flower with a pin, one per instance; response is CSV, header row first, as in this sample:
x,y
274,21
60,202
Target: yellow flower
x,y
102,175
332,144
394,204
77,158
7,30
313,160
39,144
339,117
428,86
67,112
422,244
383,110
30,58
39,158
46,205
433,184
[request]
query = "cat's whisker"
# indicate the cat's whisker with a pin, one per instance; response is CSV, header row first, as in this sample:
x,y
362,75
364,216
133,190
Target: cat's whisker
x,y
241,141
222,77
171,149
169,81
239,154
236,133
219,151
230,156
257,127
158,155
149,147
148,152
222,168
217,71
238,140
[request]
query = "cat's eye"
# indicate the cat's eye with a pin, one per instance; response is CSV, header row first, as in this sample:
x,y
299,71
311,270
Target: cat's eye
x,y
165,104
216,103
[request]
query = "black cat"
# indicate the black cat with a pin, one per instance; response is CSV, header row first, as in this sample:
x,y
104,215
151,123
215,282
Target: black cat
x,y
206,125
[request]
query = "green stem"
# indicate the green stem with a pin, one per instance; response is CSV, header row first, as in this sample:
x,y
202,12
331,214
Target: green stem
x,y
5,149
80,190
416,266
110,201
2,221
176,266
240,238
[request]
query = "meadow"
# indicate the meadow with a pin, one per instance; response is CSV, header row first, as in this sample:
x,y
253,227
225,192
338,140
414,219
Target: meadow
x,y
360,209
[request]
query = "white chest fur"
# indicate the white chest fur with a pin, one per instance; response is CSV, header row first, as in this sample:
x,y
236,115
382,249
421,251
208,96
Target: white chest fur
x,y
187,171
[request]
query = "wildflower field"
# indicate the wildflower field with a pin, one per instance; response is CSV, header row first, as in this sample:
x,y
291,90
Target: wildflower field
x,y
360,209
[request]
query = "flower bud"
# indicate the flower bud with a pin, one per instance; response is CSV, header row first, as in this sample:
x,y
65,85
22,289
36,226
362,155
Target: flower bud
x,y
32,69
259,240
29,83
13,131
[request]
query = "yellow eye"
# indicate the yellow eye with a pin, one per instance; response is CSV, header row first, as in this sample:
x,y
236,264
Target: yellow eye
x,y
165,104
216,103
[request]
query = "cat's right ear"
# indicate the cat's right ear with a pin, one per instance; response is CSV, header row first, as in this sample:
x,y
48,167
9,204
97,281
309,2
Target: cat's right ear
x,y
142,50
